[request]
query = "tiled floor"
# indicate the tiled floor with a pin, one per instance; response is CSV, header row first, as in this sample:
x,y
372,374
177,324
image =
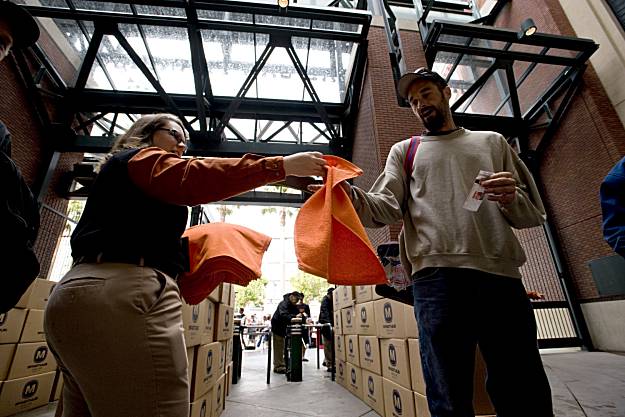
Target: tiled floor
x,y
584,384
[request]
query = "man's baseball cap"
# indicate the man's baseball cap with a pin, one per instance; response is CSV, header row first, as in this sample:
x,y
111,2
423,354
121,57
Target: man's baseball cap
x,y
422,73
23,27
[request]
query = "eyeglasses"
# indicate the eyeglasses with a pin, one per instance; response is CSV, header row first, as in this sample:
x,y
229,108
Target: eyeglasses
x,y
179,137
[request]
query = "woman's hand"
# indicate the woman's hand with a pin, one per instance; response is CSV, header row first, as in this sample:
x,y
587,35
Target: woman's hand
x,y
304,164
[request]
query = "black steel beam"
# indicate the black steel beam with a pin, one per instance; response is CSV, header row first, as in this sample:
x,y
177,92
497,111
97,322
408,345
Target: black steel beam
x,y
507,55
507,35
91,100
476,86
267,198
121,18
103,144
90,57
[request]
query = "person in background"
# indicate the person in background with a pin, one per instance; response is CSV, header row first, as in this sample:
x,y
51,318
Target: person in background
x,y
19,209
119,305
459,245
326,316
286,310
612,194
305,310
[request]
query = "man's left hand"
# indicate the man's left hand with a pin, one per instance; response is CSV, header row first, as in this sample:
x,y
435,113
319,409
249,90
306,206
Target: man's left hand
x,y
500,187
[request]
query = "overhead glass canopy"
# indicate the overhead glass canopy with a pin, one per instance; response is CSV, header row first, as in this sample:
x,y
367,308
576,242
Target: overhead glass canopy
x,y
243,71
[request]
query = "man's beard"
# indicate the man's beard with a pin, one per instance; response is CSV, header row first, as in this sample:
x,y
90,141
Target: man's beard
x,y
434,121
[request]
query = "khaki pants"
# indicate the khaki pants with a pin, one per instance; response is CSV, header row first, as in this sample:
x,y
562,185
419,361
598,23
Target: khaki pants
x,y
116,332
278,352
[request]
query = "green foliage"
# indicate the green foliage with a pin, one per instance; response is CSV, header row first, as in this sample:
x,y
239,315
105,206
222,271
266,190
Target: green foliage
x,y
253,294
313,287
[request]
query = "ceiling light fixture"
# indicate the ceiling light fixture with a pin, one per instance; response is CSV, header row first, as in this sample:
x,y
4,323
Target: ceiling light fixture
x,y
528,28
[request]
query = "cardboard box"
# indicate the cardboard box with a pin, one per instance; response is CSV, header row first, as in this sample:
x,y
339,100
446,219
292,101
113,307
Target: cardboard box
x,y
353,379
31,359
193,319
232,296
421,405
374,295
6,358
36,296
362,293
372,392
398,401
17,395
348,321
412,330
11,324
223,348
219,396
416,371
206,369
346,294
215,295
202,407
365,319
208,331
225,293
33,327
395,361
57,387
338,328
339,347
351,351
481,400
336,299
229,369
229,349
369,349
390,319
224,324
341,368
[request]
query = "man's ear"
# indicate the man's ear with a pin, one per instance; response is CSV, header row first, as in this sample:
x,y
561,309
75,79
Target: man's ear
x,y
447,92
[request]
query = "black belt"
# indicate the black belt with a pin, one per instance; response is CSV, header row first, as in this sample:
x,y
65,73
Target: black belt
x,y
125,259
114,258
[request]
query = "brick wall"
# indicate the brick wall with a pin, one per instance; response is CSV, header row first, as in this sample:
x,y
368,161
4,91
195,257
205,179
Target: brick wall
x,y
31,150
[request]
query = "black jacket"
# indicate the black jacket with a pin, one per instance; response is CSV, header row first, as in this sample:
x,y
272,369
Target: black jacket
x,y
121,221
326,313
283,315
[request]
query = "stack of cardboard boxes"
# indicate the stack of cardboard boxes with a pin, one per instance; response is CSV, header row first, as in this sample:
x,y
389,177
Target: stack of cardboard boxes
x,y
377,355
28,371
208,330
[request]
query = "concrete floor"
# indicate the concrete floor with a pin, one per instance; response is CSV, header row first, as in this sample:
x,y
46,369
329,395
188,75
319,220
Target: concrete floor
x,y
584,384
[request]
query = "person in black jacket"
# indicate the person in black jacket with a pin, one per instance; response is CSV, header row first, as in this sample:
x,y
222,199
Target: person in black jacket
x,y
287,309
114,322
19,210
326,316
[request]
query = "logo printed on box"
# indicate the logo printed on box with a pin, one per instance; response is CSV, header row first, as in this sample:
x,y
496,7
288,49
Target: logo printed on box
x,y
349,316
210,313
363,314
371,385
353,375
209,362
40,354
350,346
368,348
340,369
397,402
226,318
30,388
392,354
203,409
218,394
388,312
195,313
338,343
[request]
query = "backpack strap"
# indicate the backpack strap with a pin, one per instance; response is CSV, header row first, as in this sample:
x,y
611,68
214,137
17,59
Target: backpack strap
x,y
412,151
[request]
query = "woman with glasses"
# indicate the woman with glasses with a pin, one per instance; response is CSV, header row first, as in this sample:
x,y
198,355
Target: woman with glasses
x,y
114,321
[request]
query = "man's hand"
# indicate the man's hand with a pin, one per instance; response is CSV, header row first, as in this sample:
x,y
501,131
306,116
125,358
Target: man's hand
x,y
500,187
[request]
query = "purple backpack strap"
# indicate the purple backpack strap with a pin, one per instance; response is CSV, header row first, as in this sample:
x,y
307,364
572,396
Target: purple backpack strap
x,y
412,150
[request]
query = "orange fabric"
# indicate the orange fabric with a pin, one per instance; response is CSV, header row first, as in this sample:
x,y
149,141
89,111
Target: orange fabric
x,y
330,241
221,252
190,181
